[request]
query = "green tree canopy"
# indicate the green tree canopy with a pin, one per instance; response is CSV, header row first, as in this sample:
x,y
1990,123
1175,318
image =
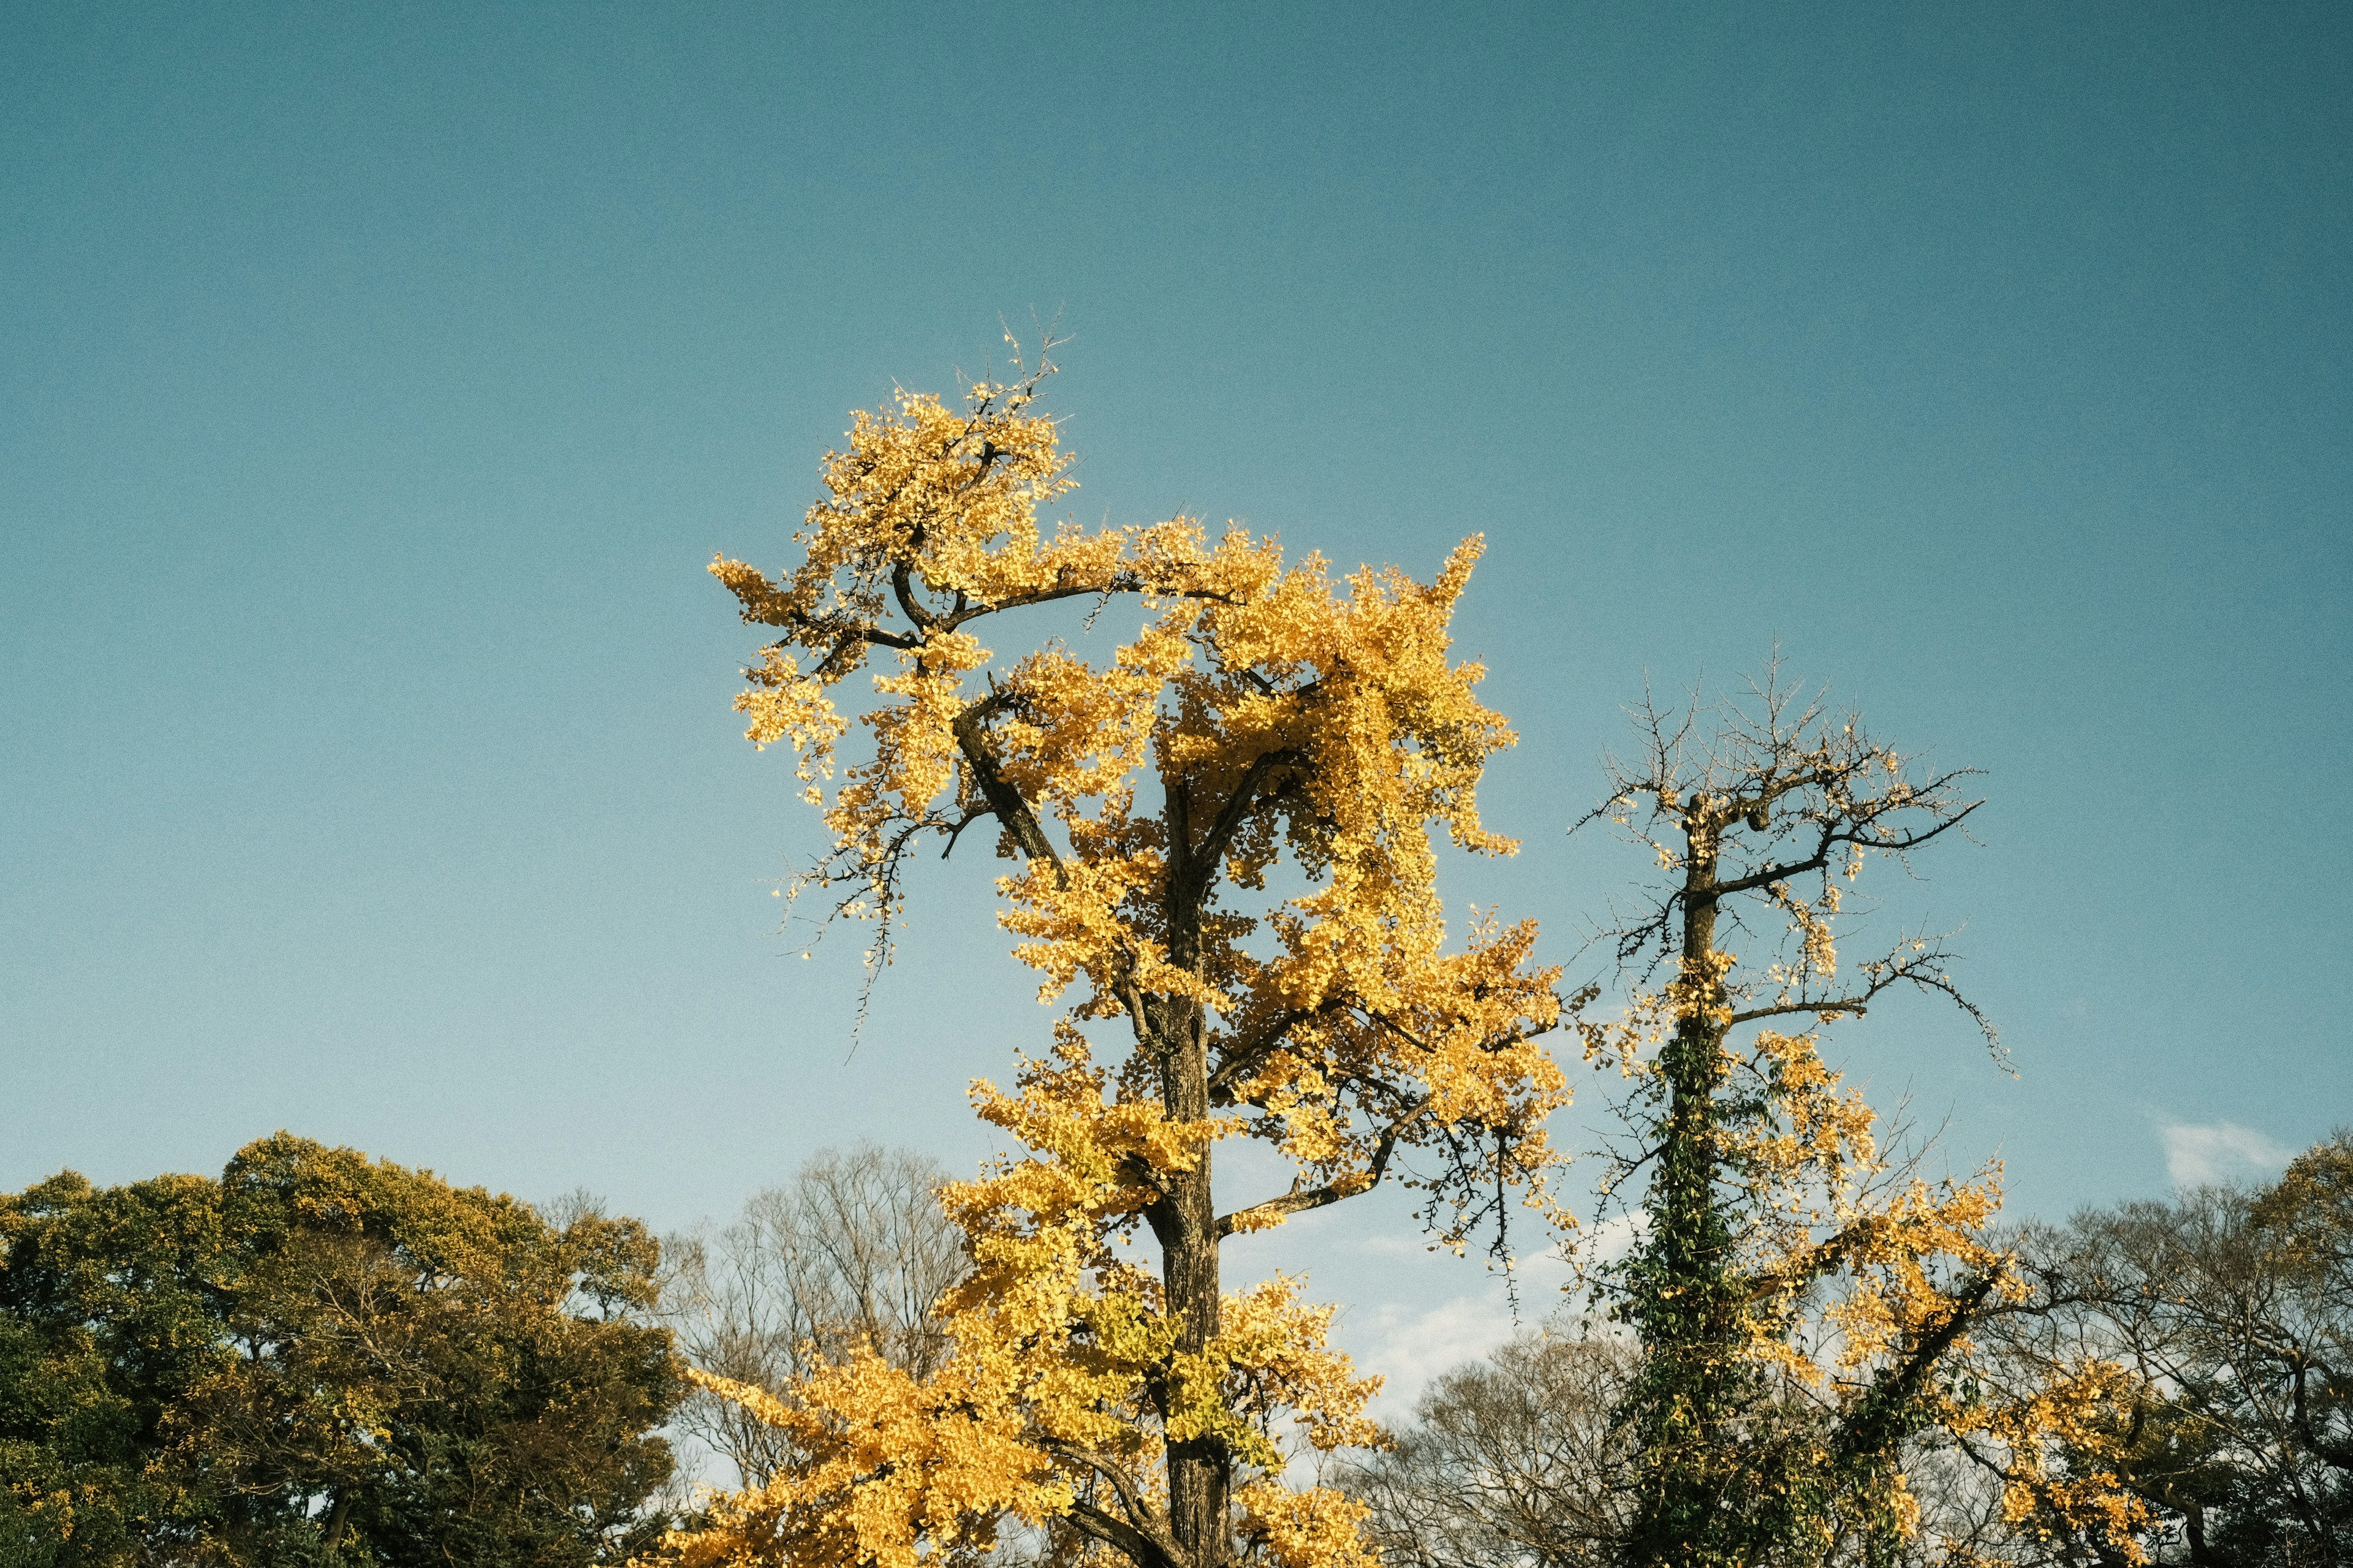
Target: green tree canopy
x,y
324,1358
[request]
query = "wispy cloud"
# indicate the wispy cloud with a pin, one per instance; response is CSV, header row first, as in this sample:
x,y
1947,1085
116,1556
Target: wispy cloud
x,y
1411,1349
2196,1155
1613,1237
1412,1345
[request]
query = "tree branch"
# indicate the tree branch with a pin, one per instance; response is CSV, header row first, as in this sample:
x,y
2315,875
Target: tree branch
x,y
1844,1006
1121,583
1004,800
1200,863
1142,1536
966,820
1865,1430
1238,1063
845,638
1144,1550
902,586
1835,836
1299,1201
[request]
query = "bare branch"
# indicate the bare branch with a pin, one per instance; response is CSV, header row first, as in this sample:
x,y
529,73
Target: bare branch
x,y
1820,860
966,820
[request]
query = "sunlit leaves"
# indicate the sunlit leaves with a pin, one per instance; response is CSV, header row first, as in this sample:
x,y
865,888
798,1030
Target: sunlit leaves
x,y
1225,831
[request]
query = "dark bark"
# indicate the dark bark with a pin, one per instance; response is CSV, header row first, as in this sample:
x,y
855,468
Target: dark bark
x,y
1200,1471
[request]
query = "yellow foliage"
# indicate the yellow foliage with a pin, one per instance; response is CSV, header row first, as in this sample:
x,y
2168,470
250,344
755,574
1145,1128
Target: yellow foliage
x,y
1296,724
1319,1527
1058,1348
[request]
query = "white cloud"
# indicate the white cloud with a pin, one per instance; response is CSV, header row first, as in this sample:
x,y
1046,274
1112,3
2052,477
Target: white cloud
x,y
1410,1348
1382,1244
1411,1345
1613,1237
2196,1155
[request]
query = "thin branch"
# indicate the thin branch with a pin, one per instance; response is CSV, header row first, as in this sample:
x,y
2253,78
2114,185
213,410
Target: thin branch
x,y
1820,860
964,821
1355,1185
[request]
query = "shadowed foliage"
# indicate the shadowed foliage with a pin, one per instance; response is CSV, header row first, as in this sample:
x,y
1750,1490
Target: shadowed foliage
x,y
321,1358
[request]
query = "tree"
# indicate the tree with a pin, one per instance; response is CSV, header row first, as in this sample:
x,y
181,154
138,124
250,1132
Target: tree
x,y
1305,736
855,1251
2232,1311
108,1314
1803,1301
1515,1462
326,1358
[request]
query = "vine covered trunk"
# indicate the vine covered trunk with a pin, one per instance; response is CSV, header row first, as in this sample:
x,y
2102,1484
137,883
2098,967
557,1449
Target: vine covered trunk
x,y
1686,1312
1804,1297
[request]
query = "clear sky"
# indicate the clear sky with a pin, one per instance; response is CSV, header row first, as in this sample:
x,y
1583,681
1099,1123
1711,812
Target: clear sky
x,y
376,382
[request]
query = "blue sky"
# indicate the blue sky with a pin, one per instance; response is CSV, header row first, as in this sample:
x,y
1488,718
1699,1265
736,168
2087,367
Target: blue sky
x,y
378,379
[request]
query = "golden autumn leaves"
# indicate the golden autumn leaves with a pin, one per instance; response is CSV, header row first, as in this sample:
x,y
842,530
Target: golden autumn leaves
x,y
1284,714
1284,718
1330,708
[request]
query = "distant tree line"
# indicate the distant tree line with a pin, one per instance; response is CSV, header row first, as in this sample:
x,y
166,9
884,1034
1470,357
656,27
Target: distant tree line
x,y
322,1359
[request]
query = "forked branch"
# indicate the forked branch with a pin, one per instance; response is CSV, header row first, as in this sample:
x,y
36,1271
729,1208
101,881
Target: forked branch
x,y
1004,800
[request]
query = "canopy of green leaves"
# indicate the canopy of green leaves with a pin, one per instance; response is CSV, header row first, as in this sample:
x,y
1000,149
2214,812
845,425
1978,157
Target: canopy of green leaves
x,y
321,1358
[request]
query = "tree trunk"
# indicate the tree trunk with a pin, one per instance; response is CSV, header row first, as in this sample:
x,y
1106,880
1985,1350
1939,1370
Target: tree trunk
x,y
2193,1521
1688,1314
1199,1472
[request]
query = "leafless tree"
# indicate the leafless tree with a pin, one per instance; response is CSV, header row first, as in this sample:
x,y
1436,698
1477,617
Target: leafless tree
x,y
1512,1462
854,1250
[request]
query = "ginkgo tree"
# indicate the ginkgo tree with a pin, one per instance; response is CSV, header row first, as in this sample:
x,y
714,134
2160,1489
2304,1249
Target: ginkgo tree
x,y
1805,1302
1224,840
